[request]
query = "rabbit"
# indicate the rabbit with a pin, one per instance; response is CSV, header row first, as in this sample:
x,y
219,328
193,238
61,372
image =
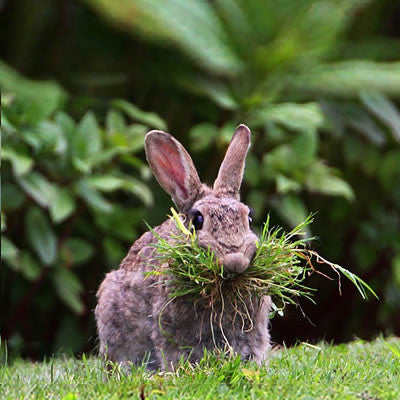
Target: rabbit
x,y
136,320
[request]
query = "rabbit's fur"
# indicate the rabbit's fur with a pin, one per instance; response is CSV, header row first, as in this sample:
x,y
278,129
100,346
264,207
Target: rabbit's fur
x,y
136,319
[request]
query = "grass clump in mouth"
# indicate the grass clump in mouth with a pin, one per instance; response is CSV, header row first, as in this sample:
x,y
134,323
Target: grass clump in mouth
x,y
279,268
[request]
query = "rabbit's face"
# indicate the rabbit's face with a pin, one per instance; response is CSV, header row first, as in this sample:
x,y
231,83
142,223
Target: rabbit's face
x,y
221,220
223,224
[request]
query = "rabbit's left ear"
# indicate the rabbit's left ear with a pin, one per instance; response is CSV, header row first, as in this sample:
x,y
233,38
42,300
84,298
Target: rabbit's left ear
x,y
230,174
173,168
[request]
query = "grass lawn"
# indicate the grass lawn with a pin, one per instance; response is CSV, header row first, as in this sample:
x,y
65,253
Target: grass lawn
x,y
359,370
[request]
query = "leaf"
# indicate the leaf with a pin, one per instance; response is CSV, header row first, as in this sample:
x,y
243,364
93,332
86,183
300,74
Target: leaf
x,y
52,137
105,183
135,162
81,165
361,121
76,251
285,184
304,147
92,197
37,187
6,125
34,100
298,117
322,179
362,287
28,266
123,144
335,119
115,122
62,205
40,235
109,183
66,124
45,137
68,287
306,32
21,163
389,169
148,118
291,209
103,157
131,139
195,28
68,127
272,163
384,109
12,196
21,261
8,250
278,160
139,189
348,79
217,91
121,222
87,141
202,135
252,170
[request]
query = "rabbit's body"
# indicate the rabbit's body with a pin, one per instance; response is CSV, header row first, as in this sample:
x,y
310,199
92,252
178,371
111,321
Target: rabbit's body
x,y
135,316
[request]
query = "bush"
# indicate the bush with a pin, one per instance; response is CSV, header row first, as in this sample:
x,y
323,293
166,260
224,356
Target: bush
x,y
73,195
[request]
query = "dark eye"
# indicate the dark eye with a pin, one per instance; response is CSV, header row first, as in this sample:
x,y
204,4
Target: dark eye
x,y
250,217
197,219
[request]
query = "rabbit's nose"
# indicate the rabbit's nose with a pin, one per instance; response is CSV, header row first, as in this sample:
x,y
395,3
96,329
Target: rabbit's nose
x,y
235,262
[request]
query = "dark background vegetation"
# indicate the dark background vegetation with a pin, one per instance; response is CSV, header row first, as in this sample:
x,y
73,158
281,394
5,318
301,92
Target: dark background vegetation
x,y
317,81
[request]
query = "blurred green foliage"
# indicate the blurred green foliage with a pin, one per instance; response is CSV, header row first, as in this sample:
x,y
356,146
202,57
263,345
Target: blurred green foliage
x,y
61,183
317,81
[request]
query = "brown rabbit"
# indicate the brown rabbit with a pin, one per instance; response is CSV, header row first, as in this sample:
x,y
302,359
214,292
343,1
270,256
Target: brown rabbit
x,y
136,320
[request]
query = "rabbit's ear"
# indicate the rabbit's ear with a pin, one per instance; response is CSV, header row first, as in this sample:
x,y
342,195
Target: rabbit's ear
x,y
230,174
173,168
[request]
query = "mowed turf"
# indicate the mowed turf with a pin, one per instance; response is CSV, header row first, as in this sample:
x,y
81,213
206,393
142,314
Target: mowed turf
x,y
359,370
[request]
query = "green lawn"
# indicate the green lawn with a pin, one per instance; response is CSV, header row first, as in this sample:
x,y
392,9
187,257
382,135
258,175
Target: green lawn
x,y
359,370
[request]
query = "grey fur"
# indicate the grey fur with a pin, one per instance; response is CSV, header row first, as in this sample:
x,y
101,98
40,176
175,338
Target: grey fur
x,y
135,318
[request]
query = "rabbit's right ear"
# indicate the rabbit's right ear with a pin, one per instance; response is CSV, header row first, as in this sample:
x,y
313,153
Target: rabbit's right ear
x,y
230,174
173,168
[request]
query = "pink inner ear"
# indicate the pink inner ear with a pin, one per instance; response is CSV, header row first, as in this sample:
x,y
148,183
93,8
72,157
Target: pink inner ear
x,y
170,165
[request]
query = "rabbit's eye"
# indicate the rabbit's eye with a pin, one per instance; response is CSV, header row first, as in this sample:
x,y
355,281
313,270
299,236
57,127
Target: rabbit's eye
x,y
197,220
250,217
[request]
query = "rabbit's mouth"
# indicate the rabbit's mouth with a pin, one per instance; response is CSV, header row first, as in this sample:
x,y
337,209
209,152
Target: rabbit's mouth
x,y
230,275
235,263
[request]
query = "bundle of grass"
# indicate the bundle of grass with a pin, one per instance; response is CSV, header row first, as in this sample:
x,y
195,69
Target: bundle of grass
x,y
279,268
